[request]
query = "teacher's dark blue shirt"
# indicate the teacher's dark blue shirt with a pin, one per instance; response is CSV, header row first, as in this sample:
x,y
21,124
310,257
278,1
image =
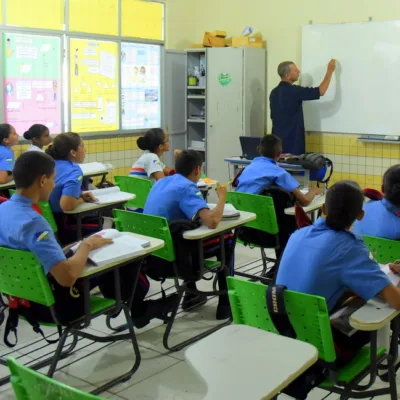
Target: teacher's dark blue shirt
x,y
286,102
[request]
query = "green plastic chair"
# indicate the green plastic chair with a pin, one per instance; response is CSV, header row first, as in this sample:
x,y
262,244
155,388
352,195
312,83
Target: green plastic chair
x,y
47,212
137,186
158,227
310,320
263,207
21,275
30,385
383,250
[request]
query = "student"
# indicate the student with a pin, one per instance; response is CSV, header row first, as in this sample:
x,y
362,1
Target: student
x,y
177,198
22,228
68,150
264,172
154,143
39,135
8,139
334,260
382,217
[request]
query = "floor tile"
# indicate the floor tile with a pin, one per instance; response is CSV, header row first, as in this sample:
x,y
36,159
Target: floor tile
x,y
108,363
178,382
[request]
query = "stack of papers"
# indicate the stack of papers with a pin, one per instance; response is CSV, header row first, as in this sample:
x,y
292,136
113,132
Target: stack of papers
x,y
394,278
111,195
124,246
198,145
230,212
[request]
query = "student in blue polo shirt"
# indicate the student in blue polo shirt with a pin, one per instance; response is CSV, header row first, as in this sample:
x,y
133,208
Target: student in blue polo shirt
x,y
68,150
22,228
264,172
178,198
8,139
326,259
382,217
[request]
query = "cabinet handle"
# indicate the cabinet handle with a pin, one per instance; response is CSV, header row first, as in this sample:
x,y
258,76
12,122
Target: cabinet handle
x,y
211,126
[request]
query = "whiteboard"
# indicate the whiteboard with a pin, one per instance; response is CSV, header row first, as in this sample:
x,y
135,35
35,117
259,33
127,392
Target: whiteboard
x,y
363,97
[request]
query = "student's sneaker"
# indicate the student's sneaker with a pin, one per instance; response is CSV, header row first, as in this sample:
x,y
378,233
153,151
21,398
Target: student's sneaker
x,y
223,312
193,300
155,309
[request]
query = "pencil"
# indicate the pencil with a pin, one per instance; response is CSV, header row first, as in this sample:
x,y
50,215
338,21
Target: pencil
x,y
227,184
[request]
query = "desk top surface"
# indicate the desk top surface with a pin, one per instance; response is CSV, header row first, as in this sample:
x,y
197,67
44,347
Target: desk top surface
x,y
315,205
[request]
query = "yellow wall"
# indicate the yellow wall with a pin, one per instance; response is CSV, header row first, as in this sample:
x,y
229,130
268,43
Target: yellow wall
x,y
280,23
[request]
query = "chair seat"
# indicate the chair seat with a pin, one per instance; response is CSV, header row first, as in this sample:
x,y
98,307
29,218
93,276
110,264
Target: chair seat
x,y
358,364
210,265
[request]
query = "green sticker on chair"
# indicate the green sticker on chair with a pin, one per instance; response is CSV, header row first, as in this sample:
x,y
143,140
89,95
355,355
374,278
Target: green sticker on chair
x,y
224,79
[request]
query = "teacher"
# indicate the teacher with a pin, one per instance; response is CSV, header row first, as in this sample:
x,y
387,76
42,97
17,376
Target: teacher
x,y
286,102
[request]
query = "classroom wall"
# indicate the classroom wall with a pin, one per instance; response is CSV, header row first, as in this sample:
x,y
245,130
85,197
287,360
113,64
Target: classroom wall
x,y
280,23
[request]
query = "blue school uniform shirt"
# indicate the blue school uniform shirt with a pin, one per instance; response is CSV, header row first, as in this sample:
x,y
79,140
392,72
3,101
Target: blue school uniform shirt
x,y
320,261
6,159
381,220
175,198
22,228
262,173
68,183
286,103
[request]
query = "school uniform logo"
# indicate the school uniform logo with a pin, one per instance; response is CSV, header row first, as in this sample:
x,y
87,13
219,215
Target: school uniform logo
x,y
199,194
41,236
10,160
80,178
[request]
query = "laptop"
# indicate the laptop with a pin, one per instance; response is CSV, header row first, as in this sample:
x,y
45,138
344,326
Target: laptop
x,y
249,146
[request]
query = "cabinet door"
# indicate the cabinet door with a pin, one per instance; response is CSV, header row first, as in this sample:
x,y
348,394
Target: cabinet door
x,y
224,109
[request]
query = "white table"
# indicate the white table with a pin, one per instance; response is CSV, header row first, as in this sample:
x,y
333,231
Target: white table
x,y
236,162
240,362
203,232
87,208
6,186
93,169
314,206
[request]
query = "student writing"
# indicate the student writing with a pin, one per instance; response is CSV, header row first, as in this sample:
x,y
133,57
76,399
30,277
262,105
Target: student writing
x,y
39,135
382,217
335,260
264,172
8,139
22,228
177,198
149,166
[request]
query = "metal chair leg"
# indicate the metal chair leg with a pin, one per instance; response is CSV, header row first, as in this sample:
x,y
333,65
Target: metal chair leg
x,y
57,354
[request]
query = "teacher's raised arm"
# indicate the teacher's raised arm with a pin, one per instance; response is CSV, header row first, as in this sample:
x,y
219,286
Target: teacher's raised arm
x,y
286,102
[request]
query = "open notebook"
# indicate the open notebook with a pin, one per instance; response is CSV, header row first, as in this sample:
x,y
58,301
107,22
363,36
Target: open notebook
x,y
124,246
111,195
230,212
394,278
92,168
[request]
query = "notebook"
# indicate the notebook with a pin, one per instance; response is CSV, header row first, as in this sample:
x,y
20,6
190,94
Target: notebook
x,y
201,184
394,278
111,195
123,247
230,212
91,168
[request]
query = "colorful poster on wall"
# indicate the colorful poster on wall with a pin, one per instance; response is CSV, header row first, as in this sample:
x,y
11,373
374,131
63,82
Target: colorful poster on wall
x,y
31,74
140,90
94,86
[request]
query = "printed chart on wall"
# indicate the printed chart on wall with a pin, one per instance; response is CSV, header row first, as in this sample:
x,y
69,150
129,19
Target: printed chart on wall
x,y
140,76
31,73
94,85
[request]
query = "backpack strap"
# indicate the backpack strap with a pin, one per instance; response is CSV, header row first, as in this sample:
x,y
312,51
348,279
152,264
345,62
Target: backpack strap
x,y
277,311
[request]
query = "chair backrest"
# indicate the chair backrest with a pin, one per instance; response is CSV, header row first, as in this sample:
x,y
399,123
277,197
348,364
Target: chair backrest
x,y
263,206
21,275
148,225
383,250
308,314
47,212
137,186
31,385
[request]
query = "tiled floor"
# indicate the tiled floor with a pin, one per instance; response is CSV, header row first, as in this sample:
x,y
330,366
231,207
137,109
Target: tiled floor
x,y
161,375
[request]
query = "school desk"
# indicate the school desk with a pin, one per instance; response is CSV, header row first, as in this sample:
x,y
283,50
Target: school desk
x,y
94,169
312,208
86,209
7,186
241,362
237,162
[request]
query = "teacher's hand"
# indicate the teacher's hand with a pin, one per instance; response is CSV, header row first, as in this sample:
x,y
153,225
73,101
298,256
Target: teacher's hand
x,y
332,66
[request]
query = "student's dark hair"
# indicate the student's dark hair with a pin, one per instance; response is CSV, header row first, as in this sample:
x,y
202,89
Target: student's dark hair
x,y
5,130
391,184
151,140
270,146
187,161
31,166
343,204
35,131
63,144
